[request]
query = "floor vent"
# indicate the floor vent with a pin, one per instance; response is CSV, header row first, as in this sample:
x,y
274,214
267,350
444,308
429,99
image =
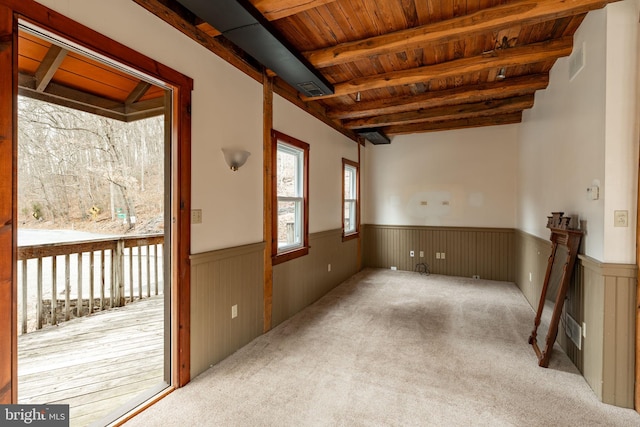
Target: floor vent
x,y
574,331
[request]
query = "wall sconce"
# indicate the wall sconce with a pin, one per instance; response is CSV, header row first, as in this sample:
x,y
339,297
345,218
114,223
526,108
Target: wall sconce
x,y
235,157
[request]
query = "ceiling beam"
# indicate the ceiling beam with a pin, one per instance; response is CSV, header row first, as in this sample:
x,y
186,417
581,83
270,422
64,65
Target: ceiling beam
x,y
48,67
450,112
511,87
500,119
272,10
216,45
137,92
278,9
516,56
524,12
72,98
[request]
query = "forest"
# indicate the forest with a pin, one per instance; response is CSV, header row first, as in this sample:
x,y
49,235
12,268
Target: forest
x,y
82,171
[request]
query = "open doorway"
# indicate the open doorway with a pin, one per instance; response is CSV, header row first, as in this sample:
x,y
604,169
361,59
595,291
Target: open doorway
x,y
94,209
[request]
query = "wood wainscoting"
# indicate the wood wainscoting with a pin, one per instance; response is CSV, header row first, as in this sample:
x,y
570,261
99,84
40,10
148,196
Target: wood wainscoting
x,y
221,279
601,296
609,292
485,252
302,281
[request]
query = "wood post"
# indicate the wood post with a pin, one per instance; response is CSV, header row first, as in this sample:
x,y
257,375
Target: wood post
x,y
267,112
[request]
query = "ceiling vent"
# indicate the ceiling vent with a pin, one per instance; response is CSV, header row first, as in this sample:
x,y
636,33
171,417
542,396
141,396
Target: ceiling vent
x,y
242,24
374,136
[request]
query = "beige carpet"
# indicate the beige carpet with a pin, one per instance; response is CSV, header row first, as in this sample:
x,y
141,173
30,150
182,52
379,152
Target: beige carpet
x,y
397,349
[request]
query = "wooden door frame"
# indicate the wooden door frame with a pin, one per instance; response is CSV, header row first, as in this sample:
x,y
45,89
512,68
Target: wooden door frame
x,y
30,11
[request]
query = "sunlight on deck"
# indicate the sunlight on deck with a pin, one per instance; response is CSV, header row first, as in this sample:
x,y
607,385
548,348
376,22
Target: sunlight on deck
x,y
95,363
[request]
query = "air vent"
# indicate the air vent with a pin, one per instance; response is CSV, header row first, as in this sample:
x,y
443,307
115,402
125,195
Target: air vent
x,y
573,331
374,136
310,89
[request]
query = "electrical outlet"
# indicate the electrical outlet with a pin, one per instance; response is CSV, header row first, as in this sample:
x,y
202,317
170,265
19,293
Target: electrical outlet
x,y
234,311
437,255
412,254
442,256
329,267
196,216
394,268
530,277
476,276
421,254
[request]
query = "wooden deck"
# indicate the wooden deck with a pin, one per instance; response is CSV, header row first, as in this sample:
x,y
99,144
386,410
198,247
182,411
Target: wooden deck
x,y
96,363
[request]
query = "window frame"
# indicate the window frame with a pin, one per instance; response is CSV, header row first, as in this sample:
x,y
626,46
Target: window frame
x,y
279,256
356,233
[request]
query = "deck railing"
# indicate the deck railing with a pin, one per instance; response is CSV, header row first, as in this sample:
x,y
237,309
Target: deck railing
x,y
90,275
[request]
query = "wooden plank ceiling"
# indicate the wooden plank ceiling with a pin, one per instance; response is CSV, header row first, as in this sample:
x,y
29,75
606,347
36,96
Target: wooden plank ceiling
x,y
410,66
54,74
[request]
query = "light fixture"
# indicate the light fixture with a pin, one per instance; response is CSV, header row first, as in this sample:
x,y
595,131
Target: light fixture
x,y
235,157
501,75
358,97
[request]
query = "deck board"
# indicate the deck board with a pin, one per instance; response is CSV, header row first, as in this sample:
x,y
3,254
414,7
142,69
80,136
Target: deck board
x,y
95,363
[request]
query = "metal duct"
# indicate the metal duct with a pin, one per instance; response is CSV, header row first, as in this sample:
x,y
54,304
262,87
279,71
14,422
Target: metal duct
x,y
241,23
374,136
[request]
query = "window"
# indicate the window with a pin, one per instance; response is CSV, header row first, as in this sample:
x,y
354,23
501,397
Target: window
x,y
350,211
290,179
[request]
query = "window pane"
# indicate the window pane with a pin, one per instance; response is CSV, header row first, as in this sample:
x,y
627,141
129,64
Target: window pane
x,y
289,224
349,182
349,216
289,176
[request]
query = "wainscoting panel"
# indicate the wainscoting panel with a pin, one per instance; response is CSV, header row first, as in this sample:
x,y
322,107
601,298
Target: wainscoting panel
x,y
302,281
486,252
219,280
610,296
600,295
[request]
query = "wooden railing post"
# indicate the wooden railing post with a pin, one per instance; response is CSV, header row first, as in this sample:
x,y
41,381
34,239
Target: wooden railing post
x,y
67,287
54,290
118,276
79,303
155,266
39,301
102,280
91,280
24,295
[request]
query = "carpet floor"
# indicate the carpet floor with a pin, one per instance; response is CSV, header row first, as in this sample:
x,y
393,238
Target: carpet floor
x,y
392,348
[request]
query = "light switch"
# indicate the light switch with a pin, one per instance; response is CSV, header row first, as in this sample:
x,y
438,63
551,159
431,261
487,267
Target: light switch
x,y
621,218
196,216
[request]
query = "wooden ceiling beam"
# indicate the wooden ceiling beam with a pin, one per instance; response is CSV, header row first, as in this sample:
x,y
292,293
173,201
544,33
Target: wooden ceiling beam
x,y
278,9
272,10
48,67
522,85
524,12
500,119
516,56
72,98
450,112
137,93
219,47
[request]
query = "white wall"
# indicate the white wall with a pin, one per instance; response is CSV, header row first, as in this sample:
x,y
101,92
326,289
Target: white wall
x,y
474,170
581,132
327,148
621,150
226,111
